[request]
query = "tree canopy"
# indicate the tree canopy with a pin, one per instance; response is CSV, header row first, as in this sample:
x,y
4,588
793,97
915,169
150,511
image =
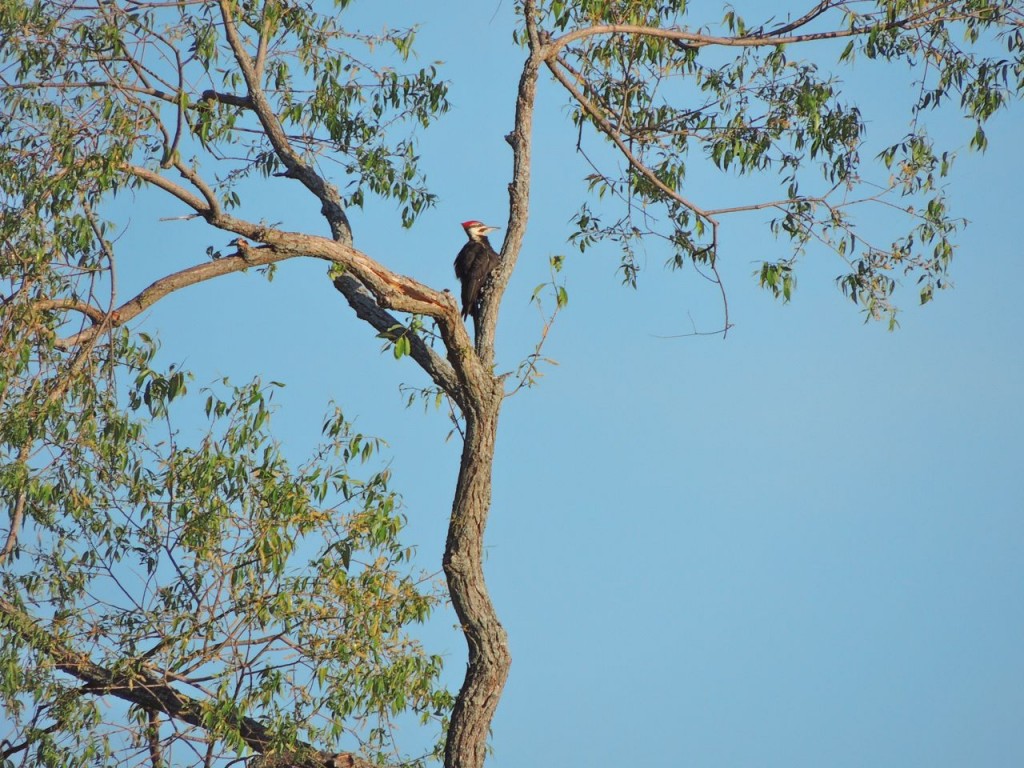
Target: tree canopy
x,y
172,598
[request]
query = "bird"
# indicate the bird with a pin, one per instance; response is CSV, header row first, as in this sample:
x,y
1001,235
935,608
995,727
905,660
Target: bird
x,y
474,264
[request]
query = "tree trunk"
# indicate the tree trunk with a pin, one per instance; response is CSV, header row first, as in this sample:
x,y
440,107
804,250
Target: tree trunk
x,y
489,657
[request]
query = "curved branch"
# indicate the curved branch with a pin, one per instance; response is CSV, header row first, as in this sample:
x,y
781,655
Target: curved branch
x,y
369,287
392,290
807,18
154,178
389,289
95,314
698,40
165,286
172,151
197,181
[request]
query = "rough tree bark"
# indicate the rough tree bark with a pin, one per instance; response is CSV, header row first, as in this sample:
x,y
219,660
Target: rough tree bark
x,y
489,657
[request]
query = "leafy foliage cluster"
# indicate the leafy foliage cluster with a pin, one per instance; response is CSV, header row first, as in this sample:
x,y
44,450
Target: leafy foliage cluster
x,y
229,601
735,95
210,570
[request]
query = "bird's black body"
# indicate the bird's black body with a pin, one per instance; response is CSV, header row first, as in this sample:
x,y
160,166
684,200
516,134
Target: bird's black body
x,y
474,265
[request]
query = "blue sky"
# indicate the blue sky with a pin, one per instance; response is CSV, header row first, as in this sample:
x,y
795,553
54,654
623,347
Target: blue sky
x,y
801,546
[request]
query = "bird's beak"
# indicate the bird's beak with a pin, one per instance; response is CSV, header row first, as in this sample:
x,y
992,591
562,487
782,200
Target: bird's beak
x,y
491,229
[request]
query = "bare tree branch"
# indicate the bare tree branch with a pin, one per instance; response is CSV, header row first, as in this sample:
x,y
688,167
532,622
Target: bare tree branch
x,y
170,187
366,308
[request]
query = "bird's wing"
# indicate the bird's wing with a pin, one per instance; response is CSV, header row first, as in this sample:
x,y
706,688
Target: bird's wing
x,y
463,261
492,259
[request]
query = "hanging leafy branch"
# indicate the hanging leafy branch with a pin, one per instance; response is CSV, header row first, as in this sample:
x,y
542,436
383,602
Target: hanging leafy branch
x,y
667,93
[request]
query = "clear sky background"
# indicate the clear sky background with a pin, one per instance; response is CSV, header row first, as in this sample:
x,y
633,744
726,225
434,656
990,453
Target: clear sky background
x,y
801,546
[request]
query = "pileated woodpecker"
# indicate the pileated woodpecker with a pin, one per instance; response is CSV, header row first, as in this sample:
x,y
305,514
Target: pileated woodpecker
x,y
474,264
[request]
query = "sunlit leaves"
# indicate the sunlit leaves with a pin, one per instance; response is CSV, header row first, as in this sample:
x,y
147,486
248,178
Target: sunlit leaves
x,y
399,338
778,278
529,373
555,286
